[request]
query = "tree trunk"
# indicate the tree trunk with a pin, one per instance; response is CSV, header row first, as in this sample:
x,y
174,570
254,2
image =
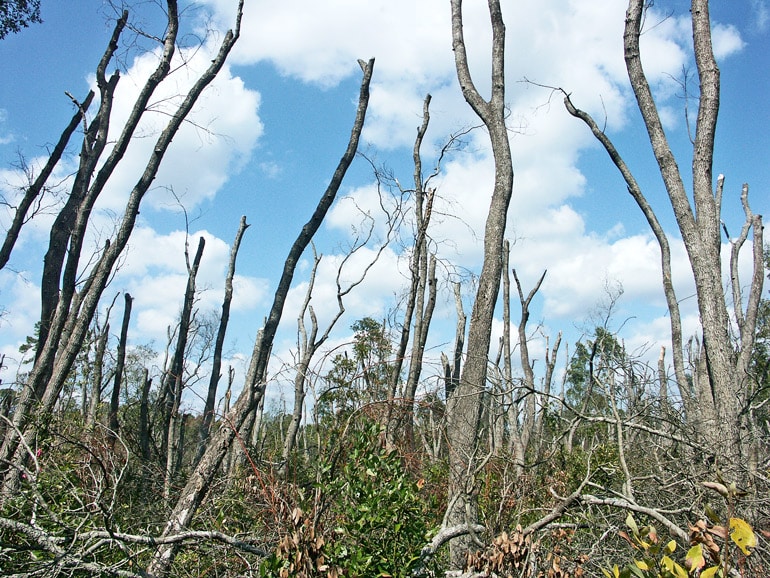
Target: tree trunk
x,y
175,375
216,368
97,376
464,407
21,214
112,423
452,371
415,301
144,416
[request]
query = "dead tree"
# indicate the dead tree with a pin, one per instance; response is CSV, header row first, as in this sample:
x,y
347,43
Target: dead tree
x,y
97,372
174,378
68,315
33,192
144,415
192,495
452,370
216,368
308,344
464,406
112,422
715,404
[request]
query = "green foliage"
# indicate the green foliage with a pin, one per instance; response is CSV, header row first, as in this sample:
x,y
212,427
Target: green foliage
x,y
595,365
380,519
361,378
377,519
18,14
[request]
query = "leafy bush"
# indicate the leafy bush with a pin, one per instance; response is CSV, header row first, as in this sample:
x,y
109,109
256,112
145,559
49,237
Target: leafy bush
x,y
379,519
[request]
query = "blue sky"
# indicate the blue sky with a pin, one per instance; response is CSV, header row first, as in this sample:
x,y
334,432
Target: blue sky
x,y
272,128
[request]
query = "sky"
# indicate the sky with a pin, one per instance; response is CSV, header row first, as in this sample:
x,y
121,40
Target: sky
x,y
267,135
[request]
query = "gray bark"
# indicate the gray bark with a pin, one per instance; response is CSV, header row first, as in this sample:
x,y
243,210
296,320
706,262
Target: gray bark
x,y
464,406
174,382
97,376
420,265
144,416
112,423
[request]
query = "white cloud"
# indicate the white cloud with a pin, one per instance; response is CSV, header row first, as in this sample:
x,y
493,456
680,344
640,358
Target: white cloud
x,y
575,45
726,40
761,14
217,137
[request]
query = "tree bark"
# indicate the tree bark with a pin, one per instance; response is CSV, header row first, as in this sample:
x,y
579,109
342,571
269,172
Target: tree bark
x,y
464,407
97,376
112,423
528,391
415,301
144,416
174,382
699,225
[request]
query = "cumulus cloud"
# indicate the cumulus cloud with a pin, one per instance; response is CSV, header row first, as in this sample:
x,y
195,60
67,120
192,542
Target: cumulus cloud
x,y
216,139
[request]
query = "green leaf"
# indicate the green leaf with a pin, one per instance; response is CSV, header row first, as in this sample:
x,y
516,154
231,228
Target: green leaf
x,y
631,523
742,535
709,572
673,567
694,559
642,565
712,515
670,547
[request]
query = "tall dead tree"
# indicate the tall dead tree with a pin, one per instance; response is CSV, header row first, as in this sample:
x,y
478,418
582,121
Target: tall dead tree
x,y
67,313
192,495
464,406
715,399
174,378
216,367
112,422
421,298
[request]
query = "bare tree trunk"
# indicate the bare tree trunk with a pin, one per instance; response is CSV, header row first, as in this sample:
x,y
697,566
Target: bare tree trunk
x,y
530,393
307,348
175,376
216,368
198,483
419,339
97,376
144,416
112,422
452,371
550,364
464,407
420,277
73,313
